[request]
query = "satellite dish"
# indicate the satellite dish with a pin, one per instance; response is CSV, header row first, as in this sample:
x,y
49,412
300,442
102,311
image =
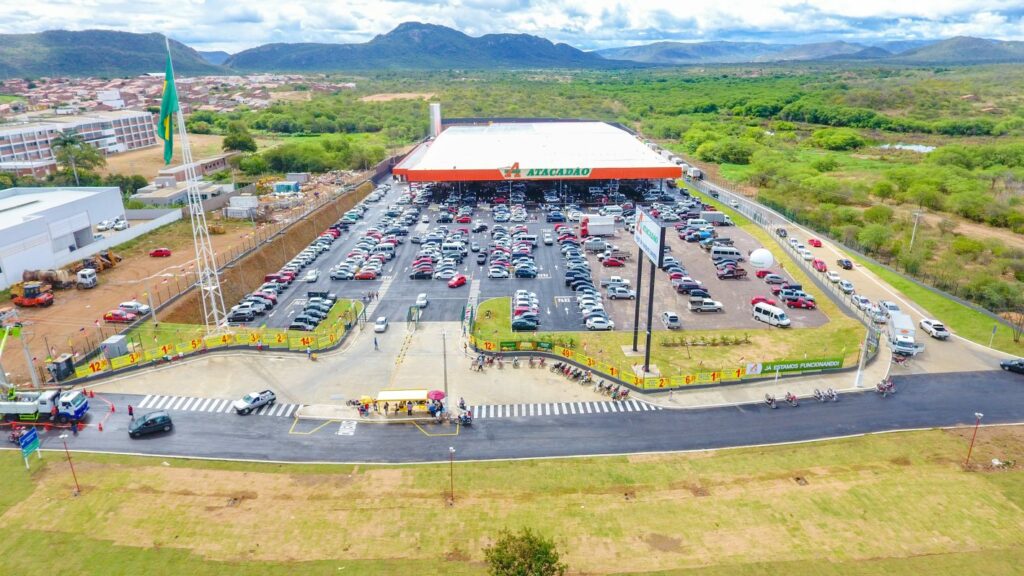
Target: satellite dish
x,y
761,258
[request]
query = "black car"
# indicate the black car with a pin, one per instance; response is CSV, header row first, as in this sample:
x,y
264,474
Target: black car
x,y
526,273
845,264
687,287
480,228
481,258
521,325
445,218
781,232
425,274
699,293
150,423
1013,365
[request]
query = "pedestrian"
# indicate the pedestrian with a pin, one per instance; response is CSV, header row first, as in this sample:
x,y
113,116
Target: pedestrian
x,y
309,352
408,408
53,413
376,408
385,408
375,347
131,412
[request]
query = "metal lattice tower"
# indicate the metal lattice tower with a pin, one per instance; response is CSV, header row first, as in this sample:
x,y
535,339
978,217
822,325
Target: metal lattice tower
x,y
214,315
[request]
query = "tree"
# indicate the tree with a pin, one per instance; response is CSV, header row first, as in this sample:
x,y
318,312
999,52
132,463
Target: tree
x,y
878,214
239,140
523,554
874,236
72,152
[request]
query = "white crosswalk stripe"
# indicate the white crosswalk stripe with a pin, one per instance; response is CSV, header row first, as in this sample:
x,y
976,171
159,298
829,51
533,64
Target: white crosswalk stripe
x,y
486,411
221,405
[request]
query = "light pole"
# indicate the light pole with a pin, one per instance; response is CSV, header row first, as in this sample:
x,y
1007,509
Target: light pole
x,y
64,439
913,234
444,360
977,422
451,475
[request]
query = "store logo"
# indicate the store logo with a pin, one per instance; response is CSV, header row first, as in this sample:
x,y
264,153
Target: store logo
x,y
513,172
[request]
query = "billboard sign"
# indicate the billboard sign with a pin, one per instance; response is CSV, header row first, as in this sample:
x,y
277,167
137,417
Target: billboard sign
x,y
649,235
769,368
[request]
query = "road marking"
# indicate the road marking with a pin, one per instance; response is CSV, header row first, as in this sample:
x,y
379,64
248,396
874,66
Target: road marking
x,y
188,405
164,400
145,400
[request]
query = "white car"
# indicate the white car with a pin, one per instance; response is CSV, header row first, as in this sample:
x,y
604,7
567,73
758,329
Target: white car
x,y
445,274
104,225
312,275
734,203
599,323
934,328
806,255
421,300
381,324
135,307
832,276
120,225
861,302
671,320
846,286
497,273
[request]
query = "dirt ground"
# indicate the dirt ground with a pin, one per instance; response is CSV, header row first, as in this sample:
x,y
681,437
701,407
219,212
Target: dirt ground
x,y
389,96
69,325
148,161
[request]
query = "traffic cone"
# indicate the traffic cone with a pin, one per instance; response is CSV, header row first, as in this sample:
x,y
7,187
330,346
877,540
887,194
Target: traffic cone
x,y
100,425
81,426
47,426
91,394
112,409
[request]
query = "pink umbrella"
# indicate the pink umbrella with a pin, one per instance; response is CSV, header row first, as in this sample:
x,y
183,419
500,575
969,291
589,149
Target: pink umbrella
x,y
435,395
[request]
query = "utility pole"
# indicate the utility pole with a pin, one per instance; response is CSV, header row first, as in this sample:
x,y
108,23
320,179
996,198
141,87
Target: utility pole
x,y
64,438
977,422
913,234
444,360
451,475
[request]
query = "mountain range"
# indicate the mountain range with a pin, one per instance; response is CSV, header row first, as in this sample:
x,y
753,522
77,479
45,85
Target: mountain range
x,y
418,46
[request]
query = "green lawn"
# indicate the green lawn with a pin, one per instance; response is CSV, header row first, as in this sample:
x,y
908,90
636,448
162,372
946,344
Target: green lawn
x,y
894,504
8,98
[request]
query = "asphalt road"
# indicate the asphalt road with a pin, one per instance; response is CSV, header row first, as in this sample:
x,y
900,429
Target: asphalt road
x,y
921,402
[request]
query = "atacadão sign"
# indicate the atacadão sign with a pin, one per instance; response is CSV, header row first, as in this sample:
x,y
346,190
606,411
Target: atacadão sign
x,y
649,236
513,172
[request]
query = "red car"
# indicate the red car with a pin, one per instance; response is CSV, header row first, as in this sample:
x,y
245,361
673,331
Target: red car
x,y
613,263
463,219
675,275
819,265
366,275
763,273
160,253
457,280
814,242
801,303
119,317
759,299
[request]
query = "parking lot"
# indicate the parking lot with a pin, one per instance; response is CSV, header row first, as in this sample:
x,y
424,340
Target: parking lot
x,y
558,310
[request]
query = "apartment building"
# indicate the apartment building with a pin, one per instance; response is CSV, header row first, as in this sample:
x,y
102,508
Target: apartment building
x,y
25,148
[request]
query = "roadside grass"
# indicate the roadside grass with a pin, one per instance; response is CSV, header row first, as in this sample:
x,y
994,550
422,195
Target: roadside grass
x,y
898,504
176,236
960,319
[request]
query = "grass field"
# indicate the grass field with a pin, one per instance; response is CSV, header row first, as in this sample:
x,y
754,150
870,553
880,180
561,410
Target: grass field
x,y
895,504
148,161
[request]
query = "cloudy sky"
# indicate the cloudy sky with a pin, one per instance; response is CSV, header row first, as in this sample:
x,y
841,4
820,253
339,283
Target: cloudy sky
x,y
588,24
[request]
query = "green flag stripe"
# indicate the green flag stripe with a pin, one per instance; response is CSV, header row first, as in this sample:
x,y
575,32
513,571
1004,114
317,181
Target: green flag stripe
x,y
168,106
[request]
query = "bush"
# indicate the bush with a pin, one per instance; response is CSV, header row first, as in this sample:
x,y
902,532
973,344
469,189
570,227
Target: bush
x,y
837,139
729,151
825,164
878,214
523,554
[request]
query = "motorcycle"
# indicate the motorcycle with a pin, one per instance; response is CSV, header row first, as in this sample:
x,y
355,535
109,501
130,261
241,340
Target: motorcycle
x,y
624,395
515,362
886,387
791,399
615,391
556,366
820,396
531,361
465,419
832,395
541,362
769,400
599,385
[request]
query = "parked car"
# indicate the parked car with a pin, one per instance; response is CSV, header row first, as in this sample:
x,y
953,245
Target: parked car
x,y
613,263
312,276
801,303
159,421
861,302
671,320
762,299
819,265
253,401
846,286
934,328
780,232
119,317
833,276
600,323
763,272
524,325
160,253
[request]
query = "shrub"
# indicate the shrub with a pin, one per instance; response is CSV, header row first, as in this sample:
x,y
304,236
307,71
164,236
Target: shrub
x,y
837,139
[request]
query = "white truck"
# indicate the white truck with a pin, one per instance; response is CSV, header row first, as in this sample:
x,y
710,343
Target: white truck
x,y
717,218
597,225
901,334
694,173
704,305
35,406
615,281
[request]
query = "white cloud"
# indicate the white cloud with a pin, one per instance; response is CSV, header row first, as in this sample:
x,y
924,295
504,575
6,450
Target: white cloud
x,y
233,26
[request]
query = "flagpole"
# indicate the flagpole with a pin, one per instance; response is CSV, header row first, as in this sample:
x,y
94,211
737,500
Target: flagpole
x,y
208,281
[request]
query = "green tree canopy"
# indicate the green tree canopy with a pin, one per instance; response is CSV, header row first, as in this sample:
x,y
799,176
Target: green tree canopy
x,y
523,553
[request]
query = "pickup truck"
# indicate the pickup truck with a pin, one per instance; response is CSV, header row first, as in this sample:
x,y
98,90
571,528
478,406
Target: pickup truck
x,y
617,292
620,254
704,305
733,273
253,401
615,281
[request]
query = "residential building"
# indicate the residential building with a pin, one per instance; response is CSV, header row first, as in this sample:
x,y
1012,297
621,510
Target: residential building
x,y
203,167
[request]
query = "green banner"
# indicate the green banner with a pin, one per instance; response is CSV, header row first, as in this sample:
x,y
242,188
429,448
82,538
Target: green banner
x,y
785,366
544,346
506,346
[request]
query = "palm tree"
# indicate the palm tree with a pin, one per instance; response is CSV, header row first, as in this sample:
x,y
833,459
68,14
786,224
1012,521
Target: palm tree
x,y
71,150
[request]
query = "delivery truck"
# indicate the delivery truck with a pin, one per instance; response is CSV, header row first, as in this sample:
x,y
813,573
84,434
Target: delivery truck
x,y
717,218
902,333
595,225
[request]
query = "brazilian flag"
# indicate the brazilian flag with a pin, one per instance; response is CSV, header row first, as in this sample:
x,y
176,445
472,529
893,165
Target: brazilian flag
x,y
168,106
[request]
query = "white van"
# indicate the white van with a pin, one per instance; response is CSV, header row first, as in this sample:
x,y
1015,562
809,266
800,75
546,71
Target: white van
x,y
612,210
697,222
388,250
453,248
726,252
771,315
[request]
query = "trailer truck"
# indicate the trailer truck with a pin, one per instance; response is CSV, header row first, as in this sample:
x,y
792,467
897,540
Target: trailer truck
x,y
36,406
717,218
694,173
595,225
902,333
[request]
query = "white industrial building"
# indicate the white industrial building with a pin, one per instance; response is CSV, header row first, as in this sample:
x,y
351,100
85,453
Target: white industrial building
x,y
42,228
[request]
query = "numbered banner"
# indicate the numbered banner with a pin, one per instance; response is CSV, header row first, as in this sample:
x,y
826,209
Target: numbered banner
x,y
279,339
126,360
301,342
489,346
566,353
613,371
590,362
734,374
217,341
664,382
97,366
636,380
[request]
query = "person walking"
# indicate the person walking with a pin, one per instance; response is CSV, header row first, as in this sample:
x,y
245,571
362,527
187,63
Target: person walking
x,y
375,347
309,353
131,412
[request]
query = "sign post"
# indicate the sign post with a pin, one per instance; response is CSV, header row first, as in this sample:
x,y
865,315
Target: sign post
x,y
649,235
29,443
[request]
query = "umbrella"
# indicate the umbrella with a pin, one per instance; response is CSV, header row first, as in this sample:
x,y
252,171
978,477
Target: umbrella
x,y
365,400
435,395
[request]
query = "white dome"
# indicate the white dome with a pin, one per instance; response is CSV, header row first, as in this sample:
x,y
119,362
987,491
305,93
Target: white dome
x,y
761,258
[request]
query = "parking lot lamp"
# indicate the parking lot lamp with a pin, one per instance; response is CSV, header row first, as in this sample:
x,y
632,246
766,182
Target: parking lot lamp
x,y
977,422
451,475
64,439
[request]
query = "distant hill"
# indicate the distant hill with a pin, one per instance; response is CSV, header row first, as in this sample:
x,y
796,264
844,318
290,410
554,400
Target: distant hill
x,y
815,51
965,50
899,46
216,57
870,53
94,53
694,52
414,45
